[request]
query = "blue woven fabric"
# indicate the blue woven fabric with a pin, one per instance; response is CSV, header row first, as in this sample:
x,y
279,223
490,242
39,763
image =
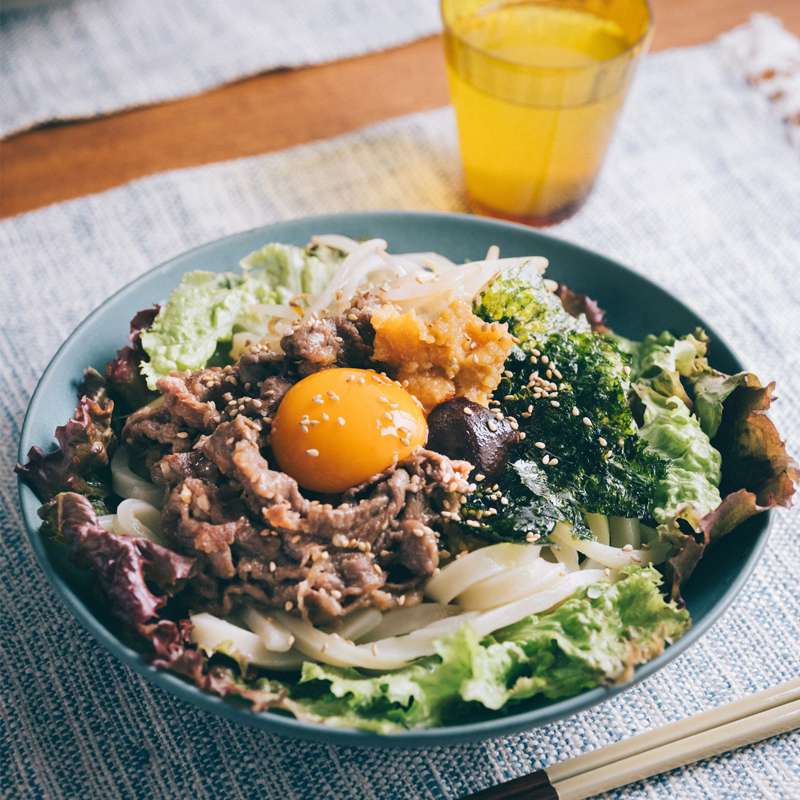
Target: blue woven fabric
x,y
81,58
701,193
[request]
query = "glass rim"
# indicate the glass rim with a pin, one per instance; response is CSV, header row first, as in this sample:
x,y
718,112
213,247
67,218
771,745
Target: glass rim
x,y
648,30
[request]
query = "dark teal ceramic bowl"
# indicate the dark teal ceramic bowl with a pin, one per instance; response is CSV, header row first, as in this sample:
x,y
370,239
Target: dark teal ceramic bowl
x,y
635,307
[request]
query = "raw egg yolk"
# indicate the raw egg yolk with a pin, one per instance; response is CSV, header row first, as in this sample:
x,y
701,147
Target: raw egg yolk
x,y
339,427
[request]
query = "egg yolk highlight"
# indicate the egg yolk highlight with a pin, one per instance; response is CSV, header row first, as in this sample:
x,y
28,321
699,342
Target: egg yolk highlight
x,y
339,427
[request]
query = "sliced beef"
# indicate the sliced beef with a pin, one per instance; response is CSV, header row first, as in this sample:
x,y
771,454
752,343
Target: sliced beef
x,y
151,425
341,341
172,469
185,397
278,550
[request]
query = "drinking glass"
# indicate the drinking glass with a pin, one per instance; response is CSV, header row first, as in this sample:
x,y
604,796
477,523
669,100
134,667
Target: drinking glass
x,y
537,87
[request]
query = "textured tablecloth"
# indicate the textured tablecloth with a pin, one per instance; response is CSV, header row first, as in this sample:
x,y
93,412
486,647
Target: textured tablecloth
x,y
701,192
80,58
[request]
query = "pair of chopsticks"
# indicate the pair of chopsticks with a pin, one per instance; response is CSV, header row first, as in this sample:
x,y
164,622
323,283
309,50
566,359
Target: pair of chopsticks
x,y
752,719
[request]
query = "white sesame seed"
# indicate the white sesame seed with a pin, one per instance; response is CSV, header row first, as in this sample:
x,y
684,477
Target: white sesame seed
x,y
575,411
545,360
340,420
289,605
606,572
492,427
182,435
546,460
627,548
468,412
602,441
312,452
553,462
325,417
540,445
406,442
587,421
555,403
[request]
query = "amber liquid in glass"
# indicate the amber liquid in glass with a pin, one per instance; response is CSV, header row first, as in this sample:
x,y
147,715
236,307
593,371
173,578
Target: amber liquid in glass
x,y
537,89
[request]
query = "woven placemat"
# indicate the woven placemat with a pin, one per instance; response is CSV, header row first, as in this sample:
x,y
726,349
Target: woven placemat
x,y
73,59
701,193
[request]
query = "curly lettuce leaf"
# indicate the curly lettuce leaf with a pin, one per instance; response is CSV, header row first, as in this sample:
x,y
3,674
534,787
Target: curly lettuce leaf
x,y
80,464
207,308
694,466
756,473
123,375
576,304
123,564
596,637
660,361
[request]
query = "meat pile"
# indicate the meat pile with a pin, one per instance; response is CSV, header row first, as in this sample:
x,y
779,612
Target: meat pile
x,y
256,537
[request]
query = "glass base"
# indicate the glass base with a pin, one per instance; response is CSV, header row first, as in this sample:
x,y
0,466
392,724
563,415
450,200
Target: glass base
x,y
534,220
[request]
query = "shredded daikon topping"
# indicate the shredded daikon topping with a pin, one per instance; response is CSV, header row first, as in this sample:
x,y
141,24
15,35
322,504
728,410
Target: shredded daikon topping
x,y
426,282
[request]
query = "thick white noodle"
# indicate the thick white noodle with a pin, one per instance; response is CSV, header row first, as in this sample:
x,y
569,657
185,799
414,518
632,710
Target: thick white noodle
x,y
405,620
276,637
106,522
613,557
128,484
511,585
138,518
508,614
386,654
649,535
624,531
563,552
460,574
598,525
359,623
211,633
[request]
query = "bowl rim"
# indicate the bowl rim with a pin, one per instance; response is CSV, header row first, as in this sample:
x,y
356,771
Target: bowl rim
x,y
319,732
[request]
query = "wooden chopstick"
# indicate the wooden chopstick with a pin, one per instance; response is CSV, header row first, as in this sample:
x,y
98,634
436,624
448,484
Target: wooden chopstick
x,y
751,719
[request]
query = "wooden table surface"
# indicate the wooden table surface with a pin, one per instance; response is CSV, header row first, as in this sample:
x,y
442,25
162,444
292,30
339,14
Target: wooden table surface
x,y
280,109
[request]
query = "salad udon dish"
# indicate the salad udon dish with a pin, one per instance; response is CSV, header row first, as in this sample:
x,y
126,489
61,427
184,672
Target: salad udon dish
x,y
389,492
